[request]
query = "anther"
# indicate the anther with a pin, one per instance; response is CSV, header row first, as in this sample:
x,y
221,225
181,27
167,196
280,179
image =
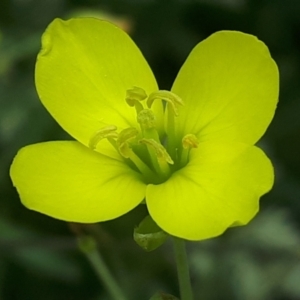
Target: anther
x,y
190,141
172,99
160,151
108,132
134,96
123,142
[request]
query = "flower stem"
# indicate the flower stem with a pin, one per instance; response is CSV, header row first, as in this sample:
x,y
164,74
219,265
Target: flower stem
x,y
182,269
88,246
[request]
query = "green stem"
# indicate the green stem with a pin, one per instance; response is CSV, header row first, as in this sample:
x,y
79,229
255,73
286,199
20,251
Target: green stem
x,y
88,246
182,269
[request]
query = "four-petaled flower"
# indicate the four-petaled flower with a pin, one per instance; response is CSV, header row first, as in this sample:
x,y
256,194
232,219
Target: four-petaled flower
x,y
188,153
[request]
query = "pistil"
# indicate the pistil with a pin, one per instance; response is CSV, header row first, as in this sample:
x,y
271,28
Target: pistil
x,y
147,121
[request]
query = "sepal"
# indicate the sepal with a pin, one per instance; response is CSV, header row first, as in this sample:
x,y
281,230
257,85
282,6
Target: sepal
x,y
148,235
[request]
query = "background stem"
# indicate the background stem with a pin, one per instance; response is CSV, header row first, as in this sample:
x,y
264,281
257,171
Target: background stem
x,y
182,269
88,246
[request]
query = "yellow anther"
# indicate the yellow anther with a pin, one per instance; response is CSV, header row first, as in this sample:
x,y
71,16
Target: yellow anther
x,y
146,119
190,141
108,132
172,99
134,95
160,151
123,142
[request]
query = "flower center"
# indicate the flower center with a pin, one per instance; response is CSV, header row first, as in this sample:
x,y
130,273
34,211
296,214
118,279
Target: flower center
x,y
155,156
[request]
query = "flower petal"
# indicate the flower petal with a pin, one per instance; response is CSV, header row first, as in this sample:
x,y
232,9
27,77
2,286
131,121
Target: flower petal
x,y
229,84
82,74
67,181
220,187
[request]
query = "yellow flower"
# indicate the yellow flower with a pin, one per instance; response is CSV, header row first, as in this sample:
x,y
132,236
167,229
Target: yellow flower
x,y
192,158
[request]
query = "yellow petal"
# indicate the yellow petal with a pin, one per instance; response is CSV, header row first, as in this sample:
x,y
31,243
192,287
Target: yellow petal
x,y
220,187
82,74
67,181
229,84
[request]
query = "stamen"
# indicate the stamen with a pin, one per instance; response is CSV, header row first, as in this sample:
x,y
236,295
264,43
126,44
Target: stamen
x,y
124,141
108,132
160,151
134,96
172,100
142,148
189,141
171,152
159,156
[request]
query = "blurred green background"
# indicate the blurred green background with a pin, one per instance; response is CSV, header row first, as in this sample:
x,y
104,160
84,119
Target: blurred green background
x,y
38,255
